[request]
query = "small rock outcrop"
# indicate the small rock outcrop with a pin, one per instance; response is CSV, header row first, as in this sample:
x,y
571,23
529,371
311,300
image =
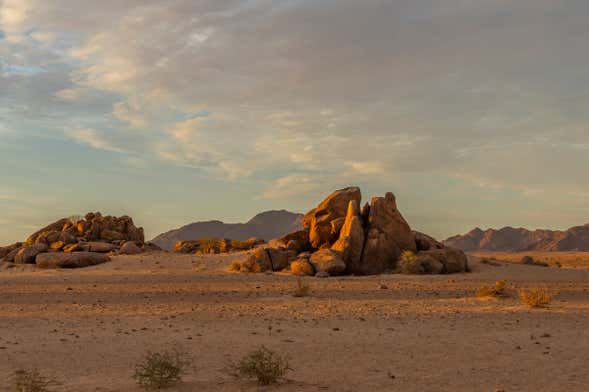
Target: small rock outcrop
x,y
339,238
78,242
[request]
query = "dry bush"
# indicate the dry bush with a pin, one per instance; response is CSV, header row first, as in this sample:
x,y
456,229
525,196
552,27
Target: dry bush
x,y
302,289
495,291
236,266
535,297
301,268
410,263
262,364
31,381
162,370
241,245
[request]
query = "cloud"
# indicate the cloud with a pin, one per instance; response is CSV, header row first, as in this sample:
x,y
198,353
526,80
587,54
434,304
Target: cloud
x,y
482,93
92,138
290,186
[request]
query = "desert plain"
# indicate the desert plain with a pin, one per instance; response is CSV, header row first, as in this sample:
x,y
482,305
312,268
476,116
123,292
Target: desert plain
x,y
88,328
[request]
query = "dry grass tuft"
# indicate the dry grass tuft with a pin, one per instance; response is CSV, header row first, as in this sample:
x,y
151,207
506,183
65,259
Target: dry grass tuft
x,y
235,267
302,289
495,291
31,381
161,370
262,364
535,297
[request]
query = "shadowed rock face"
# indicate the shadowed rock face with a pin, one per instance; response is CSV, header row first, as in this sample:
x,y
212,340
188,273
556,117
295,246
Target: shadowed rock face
x,y
387,236
509,239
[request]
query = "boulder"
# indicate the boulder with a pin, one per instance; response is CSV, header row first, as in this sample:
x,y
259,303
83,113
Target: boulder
x,y
302,267
328,260
453,260
297,241
280,258
55,226
351,239
387,236
100,247
58,245
322,233
77,247
111,235
5,251
130,248
425,242
27,255
70,260
9,258
257,261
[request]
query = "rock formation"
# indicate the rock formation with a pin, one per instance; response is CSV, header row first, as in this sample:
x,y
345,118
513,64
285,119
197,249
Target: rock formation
x,y
78,242
339,239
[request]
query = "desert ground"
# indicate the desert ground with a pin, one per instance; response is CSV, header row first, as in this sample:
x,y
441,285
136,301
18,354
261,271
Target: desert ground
x,y
89,327
578,260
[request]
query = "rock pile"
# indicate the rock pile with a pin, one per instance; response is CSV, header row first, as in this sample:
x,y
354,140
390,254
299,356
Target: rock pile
x,y
78,242
340,238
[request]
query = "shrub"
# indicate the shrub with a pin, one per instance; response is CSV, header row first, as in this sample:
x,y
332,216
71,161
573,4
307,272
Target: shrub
x,y
235,266
496,291
161,370
535,297
31,381
241,245
301,268
263,364
410,263
302,289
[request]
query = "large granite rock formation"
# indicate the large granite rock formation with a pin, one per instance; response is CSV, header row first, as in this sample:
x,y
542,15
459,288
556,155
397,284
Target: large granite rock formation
x,y
78,242
339,238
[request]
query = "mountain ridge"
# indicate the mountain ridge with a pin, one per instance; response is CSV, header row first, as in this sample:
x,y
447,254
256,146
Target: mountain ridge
x,y
510,239
266,225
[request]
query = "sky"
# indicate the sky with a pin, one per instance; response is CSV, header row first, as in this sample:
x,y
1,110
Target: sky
x,y
473,112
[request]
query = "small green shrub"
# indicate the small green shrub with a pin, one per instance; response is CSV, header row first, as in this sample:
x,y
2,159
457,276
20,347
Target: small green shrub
x,y
161,370
263,364
31,381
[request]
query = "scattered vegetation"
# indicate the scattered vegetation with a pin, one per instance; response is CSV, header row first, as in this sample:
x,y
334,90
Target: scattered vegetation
x,y
237,245
529,260
410,263
262,364
302,289
535,297
31,381
162,370
495,291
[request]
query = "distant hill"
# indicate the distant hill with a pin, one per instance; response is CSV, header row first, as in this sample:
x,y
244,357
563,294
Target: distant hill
x,y
266,225
509,239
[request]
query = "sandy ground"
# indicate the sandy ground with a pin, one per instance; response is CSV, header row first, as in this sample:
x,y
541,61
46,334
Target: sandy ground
x,y
88,328
554,259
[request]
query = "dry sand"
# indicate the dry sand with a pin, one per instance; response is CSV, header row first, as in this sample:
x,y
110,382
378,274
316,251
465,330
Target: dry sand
x,y
88,328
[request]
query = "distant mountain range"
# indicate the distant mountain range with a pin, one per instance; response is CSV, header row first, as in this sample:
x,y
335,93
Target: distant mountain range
x,y
509,239
266,225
